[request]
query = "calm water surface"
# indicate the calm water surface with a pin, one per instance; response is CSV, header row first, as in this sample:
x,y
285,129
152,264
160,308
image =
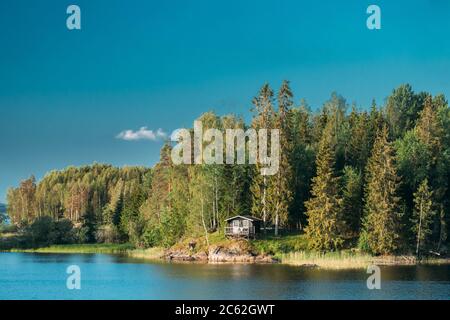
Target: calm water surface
x,y
43,276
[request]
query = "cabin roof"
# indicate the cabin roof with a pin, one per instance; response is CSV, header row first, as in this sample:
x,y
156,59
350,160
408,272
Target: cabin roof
x,y
246,217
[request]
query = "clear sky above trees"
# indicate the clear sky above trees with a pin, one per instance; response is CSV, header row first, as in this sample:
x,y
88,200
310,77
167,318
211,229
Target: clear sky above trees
x,y
65,95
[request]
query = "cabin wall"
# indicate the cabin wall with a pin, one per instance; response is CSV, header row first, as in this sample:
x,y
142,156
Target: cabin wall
x,y
240,223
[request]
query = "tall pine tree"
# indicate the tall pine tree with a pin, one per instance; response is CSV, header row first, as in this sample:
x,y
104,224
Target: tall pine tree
x,y
324,208
382,214
280,189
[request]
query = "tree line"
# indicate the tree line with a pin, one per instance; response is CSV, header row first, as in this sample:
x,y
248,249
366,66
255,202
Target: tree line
x,y
374,177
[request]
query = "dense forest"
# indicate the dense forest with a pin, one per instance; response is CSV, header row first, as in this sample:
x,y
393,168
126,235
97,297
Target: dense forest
x,y
375,177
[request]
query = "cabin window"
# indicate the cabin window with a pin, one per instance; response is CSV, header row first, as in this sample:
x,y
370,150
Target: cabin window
x,y
236,223
245,223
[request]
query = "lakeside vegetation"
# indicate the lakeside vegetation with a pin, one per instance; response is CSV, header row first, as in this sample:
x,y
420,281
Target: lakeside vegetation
x,y
286,250
352,184
112,248
328,260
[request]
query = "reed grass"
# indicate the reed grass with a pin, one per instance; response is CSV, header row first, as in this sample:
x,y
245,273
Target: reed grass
x,y
81,248
103,248
329,260
352,259
155,253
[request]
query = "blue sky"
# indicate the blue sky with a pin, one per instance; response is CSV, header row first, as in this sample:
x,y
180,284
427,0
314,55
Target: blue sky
x,y
66,95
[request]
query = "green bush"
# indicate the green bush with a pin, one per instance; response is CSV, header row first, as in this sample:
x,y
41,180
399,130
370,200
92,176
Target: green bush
x,y
363,243
279,245
63,232
152,237
8,228
107,234
46,231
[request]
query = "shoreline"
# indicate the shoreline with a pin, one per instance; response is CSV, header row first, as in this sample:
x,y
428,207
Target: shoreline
x,y
303,259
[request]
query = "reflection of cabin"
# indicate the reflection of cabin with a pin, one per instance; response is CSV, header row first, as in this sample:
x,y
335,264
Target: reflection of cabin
x,y
242,226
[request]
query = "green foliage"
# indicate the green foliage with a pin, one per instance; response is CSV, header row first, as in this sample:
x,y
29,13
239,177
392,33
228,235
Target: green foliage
x,y
403,108
324,231
172,227
8,228
359,142
382,213
363,242
86,233
279,245
279,191
412,159
263,118
123,248
342,176
91,197
422,216
352,194
303,164
46,231
152,236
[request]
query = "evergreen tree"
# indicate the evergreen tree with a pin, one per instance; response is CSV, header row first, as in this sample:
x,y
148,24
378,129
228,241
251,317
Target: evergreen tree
x,y
358,149
154,206
382,214
422,215
376,122
324,208
88,228
279,194
303,163
431,132
352,200
403,107
174,221
429,128
413,161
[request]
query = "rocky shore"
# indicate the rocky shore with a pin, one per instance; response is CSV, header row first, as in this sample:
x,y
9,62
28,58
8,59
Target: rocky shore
x,y
237,252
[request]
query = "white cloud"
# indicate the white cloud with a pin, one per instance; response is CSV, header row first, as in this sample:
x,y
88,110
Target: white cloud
x,y
142,134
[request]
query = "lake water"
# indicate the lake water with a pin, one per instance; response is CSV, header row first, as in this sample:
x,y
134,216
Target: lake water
x,y
43,276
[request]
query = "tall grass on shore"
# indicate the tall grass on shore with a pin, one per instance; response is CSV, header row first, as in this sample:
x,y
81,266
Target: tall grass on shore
x,y
155,253
352,260
124,249
329,260
81,248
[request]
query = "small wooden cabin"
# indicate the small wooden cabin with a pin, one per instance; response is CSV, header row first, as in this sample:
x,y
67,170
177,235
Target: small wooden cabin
x,y
242,226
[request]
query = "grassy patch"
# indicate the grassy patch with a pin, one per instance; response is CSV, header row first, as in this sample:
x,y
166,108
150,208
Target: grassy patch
x,y
214,239
328,260
148,254
352,259
293,249
265,244
278,246
82,248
